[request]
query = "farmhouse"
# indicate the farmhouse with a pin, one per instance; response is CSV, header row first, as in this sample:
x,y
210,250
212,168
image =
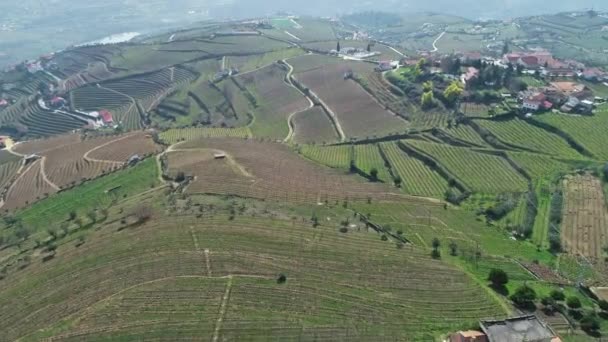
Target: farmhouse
x,y
518,329
384,66
106,117
470,74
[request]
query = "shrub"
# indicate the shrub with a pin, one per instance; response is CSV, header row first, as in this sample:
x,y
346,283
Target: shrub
x,y
590,323
384,238
374,174
498,277
524,297
558,295
281,279
435,254
343,230
603,305
573,302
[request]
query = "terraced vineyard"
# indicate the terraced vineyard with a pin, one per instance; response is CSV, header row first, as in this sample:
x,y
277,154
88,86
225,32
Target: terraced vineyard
x,y
357,112
313,126
270,171
173,136
583,129
540,166
9,165
237,295
416,177
520,133
481,172
333,156
367,157
467,134
274,102
28,187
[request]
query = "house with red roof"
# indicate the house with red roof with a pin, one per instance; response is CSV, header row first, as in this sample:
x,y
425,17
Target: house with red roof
x,y
470,75
57,101
106,117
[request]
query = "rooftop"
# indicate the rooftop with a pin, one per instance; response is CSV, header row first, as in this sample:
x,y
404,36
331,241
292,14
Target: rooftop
x,y
517,329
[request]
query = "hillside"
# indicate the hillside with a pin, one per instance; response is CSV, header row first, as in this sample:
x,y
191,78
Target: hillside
x,y
299,178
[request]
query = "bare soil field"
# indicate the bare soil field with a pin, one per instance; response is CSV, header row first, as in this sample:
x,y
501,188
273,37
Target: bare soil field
x,y
29,187
268,171
358,113
313,126
585,219
67,160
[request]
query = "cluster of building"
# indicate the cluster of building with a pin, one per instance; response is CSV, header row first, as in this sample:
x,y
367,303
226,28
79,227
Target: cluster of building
x,y
527,328
567,96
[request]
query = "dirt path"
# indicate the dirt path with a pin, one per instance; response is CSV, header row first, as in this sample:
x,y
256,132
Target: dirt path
x,y
45,177
437,40
220,319
133,102
333,118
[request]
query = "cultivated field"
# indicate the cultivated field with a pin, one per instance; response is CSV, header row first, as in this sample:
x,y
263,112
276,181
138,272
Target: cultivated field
x,y
585,219
481,172
270,171
173,136
313,126
65,161
180,276
274,102
357,112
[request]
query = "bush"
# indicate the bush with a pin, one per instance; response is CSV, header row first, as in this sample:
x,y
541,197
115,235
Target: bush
x,y
603,305
435,254
374,174
558,295
574,303
498,277
590,323
282,278
524,297
343,230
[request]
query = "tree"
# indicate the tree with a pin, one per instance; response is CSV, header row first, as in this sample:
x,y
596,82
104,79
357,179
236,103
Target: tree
x,y
453,92
427,100
369,47
72,215
549,303
338,46
453,248
436,244
505,48
605,172
524,297
374,174
590,323
603,305
398,181
427,86
558,295
180,177
574,302
281,279
498,278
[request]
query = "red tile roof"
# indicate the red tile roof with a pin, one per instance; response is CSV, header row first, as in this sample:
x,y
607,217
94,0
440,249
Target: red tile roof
x,y
529,60
106,116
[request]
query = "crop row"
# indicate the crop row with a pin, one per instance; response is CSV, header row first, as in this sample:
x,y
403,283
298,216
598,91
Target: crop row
x,y
416,177
482,172
520,133
175,135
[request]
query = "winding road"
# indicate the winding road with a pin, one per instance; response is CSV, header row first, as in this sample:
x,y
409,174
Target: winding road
x,y
437,40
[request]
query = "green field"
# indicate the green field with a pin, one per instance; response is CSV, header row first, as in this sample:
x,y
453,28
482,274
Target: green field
x,y
332,156
481,172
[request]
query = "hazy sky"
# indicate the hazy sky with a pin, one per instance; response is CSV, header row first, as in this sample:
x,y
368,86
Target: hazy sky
x,y
469,8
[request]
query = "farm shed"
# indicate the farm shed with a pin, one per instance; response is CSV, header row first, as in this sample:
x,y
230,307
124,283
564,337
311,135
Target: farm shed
x,y
518,329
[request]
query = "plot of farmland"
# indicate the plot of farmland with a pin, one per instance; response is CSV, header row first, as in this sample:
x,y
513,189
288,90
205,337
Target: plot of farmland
x,y
275,101
271,171
479,171
313,126
416,177
175,135
29,187
333,156
67,160
357,112
520,133
175,276
585,220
